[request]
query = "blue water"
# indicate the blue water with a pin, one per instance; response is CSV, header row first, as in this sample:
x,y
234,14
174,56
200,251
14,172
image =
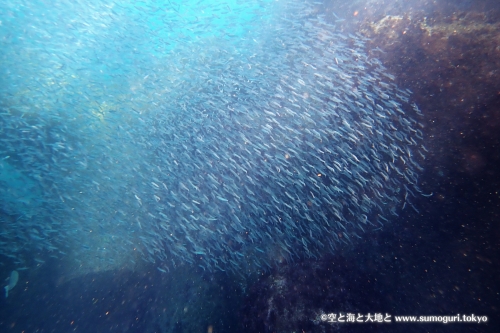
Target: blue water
x,y
167,166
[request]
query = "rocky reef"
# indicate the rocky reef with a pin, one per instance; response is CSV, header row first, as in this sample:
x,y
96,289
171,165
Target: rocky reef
x,y
294,297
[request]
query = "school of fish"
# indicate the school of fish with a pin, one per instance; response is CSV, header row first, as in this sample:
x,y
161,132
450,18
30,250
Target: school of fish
x,y
226,135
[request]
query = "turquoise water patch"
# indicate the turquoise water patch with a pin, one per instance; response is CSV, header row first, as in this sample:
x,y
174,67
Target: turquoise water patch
x,y
19,194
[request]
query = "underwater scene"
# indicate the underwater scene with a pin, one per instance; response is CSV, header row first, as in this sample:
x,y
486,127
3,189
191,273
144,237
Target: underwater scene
x,y
249,166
